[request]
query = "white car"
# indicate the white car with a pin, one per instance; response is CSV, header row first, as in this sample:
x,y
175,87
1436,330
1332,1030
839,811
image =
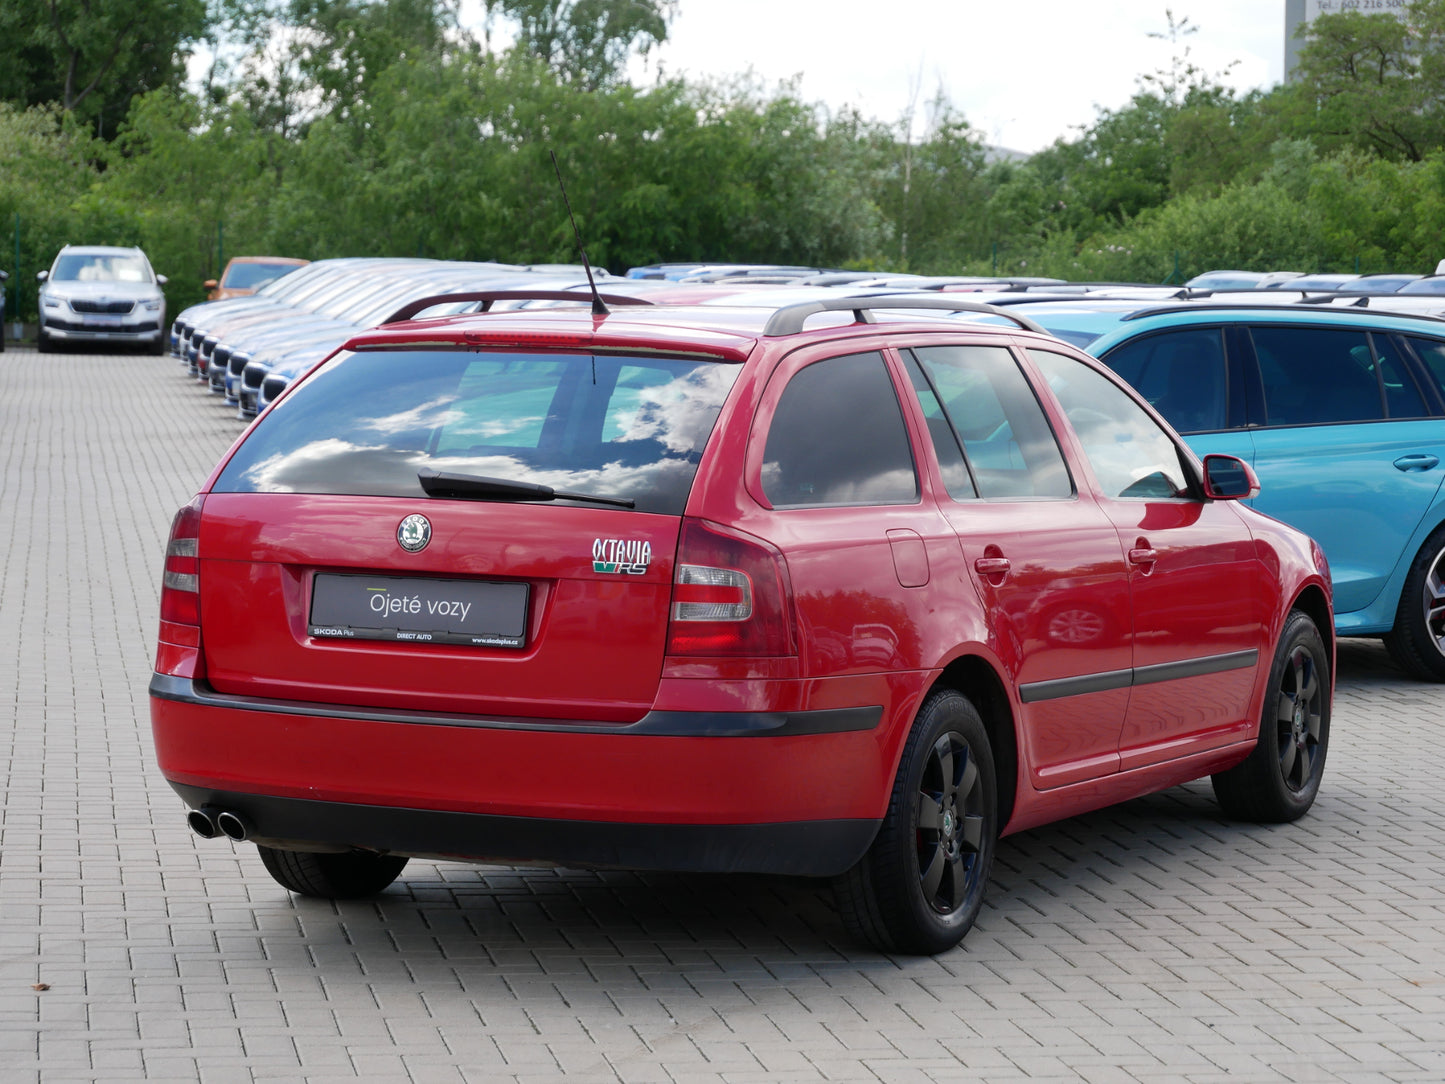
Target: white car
x,y
98,295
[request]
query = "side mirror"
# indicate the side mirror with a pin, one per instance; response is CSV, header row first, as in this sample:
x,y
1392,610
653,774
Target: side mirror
x,y
42,275
162,279
209,284
4,275
1227,478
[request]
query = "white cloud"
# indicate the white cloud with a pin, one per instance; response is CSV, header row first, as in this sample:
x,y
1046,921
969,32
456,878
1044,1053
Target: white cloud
x,y
1024,72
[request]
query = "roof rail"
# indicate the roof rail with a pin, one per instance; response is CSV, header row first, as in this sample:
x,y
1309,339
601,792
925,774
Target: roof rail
x,y
489,297
1260,306
789,320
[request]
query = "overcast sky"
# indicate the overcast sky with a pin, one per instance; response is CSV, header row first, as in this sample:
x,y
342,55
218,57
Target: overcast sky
x,y
1024,72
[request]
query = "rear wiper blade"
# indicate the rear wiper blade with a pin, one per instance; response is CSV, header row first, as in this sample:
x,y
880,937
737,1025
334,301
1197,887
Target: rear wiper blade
x,y
442,484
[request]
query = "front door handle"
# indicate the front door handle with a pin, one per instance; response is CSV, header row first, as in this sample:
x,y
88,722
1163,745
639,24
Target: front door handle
x,y
1415,463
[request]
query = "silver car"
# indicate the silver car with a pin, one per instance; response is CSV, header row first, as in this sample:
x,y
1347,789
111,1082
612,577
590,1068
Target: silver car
x,y
98,295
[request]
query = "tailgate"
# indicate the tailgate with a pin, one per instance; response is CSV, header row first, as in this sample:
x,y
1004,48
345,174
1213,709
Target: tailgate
x,y
509,609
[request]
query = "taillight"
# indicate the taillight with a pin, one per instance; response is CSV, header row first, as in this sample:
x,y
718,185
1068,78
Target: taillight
x,y
730,595
181,581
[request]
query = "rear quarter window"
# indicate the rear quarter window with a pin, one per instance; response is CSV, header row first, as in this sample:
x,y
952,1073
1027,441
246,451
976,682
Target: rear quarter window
x,y
837,437
600,425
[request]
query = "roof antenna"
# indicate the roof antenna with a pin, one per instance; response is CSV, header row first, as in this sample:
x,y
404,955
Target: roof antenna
x,y
598,308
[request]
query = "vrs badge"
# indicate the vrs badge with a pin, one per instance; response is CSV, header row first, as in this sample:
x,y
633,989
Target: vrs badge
x,y
413,533
627,557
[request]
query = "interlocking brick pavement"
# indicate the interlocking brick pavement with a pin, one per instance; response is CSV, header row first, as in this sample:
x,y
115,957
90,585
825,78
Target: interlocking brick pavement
x,y
1153,941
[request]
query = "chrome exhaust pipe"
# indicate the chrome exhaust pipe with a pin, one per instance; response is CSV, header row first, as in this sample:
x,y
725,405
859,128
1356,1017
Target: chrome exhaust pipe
x,y
203,822
234,825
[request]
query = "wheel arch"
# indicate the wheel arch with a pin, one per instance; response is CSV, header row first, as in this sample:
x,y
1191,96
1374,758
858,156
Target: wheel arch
x,y
976,679
1312,601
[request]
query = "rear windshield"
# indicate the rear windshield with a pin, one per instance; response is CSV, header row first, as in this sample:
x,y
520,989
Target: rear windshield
x,y
604,426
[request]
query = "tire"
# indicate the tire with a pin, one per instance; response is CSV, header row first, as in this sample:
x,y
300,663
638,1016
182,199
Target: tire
x,y
1279,780
332,876
1417,642
919,887
43,342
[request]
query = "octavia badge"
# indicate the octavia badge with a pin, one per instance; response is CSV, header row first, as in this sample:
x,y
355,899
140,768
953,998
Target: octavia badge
x,y
413,533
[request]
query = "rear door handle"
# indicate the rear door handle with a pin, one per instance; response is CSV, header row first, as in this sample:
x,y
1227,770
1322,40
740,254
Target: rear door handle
x,y
992,566
1142,555
1416,463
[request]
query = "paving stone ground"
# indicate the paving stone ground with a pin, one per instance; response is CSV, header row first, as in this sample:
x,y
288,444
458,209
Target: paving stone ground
x,y
1149,942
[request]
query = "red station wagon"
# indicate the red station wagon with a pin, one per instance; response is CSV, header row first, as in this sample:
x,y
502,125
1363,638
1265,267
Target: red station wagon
x,y
834,590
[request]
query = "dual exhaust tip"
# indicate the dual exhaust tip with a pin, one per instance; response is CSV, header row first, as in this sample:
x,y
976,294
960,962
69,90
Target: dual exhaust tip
x,y
209,822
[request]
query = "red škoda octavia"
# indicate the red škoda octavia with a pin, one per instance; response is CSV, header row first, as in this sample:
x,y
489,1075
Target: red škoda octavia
x,y
846,589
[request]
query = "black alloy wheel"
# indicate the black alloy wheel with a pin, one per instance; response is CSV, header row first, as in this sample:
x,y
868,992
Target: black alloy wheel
x,y
1298,718
950,823
920,885
1280,778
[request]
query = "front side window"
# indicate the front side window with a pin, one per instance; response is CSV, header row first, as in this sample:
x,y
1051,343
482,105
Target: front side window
x,y
1181,373
1006,436
602,426
1314,376
1131,455
838,437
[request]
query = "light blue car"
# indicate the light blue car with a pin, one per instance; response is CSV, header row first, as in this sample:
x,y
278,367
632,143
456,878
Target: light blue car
x,y
1341,412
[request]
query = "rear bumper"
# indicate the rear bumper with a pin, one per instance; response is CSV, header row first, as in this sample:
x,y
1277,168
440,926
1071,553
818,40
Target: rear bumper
x,y
797,792
801,848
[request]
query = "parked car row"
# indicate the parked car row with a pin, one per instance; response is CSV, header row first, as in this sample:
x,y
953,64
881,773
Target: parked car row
x,y
297,319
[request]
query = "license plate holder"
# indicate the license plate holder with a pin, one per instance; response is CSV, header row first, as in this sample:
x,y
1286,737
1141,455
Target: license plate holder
x,y
101,322
407,609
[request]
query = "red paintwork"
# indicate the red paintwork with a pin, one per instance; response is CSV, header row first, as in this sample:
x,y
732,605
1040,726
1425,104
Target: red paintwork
x,y
883,600
524,773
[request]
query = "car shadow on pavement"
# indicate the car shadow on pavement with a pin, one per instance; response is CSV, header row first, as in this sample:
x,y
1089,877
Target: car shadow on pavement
x,y
649,928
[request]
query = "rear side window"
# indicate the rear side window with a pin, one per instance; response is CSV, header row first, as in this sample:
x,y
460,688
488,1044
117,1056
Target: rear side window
x,y
1006,436
1313,376
946,446
837,437
1432,353
1181,373
1402,396
602,426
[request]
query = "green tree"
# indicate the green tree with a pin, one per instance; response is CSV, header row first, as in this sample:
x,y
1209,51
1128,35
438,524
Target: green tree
x,y
1373,82
90,57
187,171
587,41
49,166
